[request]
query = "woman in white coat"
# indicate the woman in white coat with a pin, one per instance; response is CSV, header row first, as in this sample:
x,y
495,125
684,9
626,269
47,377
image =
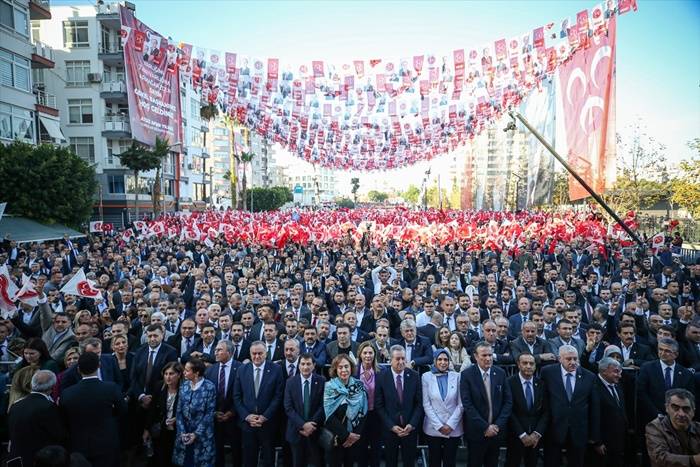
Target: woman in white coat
x,y
442,405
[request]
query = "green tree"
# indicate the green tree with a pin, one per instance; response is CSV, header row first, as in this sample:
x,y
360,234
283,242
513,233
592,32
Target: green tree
x,y
560,189
640,156
209,112
246,158
46,183
345,203
411,195
161,150
686,189
377,196
139,159
355,182
434,198
268,199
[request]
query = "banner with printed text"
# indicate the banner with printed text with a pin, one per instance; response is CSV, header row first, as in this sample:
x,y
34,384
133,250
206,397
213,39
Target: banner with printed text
x,y
153,82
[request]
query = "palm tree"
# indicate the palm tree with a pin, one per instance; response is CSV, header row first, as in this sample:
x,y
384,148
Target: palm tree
x,y
245,158
161,150
138,159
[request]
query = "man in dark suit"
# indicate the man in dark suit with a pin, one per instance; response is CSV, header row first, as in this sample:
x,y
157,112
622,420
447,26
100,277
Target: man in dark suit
x,y
313,346
303,405
274,347
613,432
419,353
399,404
689,342
205,347
530,415
149,361
528,342
428,331
257,396
634,354
657,377
574,409
108,371
185,340
223,375
487,402
91,409
241,347
35,421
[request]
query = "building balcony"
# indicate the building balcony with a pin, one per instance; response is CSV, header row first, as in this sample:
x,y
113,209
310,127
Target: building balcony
x,y
46,103
111,53
39,9
108,15
116,127
42,56
114,91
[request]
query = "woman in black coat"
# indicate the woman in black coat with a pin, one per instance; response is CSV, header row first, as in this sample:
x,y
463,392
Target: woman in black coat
x,y
160,419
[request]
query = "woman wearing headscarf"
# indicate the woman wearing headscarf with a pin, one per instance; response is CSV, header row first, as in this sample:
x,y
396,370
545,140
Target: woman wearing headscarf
x,y
442,405
345,408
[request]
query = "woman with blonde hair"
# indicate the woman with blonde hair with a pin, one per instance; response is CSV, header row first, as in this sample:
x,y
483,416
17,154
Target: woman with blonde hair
x,y
21,385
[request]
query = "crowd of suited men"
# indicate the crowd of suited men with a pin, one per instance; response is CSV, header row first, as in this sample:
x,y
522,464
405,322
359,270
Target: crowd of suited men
x,y
349,355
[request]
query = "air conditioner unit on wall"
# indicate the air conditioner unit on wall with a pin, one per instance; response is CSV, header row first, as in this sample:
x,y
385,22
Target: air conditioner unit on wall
x,y
94,77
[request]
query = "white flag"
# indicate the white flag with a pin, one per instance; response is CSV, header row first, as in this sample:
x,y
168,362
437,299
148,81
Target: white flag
x,y
96,226
8,291
28,294
79,285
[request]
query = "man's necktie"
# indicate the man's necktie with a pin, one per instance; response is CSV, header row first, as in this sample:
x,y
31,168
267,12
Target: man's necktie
x,y
307,399
487,386
257,382
290,373
614,393
222,381
569,387
399,392
667,378
528,395
269,352
237,351
149,367
189,344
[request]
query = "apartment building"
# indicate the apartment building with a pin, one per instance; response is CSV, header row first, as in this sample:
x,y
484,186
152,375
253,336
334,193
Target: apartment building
x,y
87,87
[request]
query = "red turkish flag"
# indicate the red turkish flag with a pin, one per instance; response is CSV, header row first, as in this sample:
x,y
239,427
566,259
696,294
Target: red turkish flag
x,y
8,290
27,294
80,286
586,97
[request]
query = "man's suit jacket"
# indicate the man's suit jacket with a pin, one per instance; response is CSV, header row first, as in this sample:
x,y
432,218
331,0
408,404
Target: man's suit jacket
x,y
474,399
270,395
332,349
689,355
139,385
199,347
225,403
318,351
176,342
34,422
422,352
277,353
109,369
524,419
33,327
556,342
651,389
439,412
428,331
640,354
257,329
57,347
294,405
518,346
243,351
386,400
581,415
516,324
614,427
91,409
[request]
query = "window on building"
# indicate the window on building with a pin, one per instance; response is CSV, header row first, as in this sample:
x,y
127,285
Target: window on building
x,y
16,123
5,121
14,16
144,185
75,34
116,184
84,147
14,71
36,31
194,108
168,187
199,191
80,111
77,72
221,131
219,143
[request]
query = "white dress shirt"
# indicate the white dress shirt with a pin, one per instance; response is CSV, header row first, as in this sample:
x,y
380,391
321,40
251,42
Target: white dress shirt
x,y
563,379
663,370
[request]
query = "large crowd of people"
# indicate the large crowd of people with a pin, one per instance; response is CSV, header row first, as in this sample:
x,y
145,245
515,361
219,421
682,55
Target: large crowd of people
x,y
358,344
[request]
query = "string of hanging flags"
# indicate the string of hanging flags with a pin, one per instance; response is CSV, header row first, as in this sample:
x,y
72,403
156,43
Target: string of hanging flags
x,y
365,115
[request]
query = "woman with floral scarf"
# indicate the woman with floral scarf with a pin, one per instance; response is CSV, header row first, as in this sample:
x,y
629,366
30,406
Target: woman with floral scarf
x,y
345,407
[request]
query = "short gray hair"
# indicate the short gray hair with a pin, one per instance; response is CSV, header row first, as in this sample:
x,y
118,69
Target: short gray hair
x,y
408,324
43,381
566,348
228,344
669,342
91,341
397,348
678,392
607,362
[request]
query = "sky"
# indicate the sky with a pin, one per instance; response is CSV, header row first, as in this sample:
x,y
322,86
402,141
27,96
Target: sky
x,y
658,48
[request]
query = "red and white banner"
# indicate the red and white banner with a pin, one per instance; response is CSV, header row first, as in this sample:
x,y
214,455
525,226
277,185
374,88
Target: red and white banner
x,y
586,104
80,286
27,294
8,291
153,82
99,227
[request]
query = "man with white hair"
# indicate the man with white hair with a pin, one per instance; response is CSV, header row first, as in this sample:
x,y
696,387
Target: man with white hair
x,y
613,433
159,319
574,406
34,421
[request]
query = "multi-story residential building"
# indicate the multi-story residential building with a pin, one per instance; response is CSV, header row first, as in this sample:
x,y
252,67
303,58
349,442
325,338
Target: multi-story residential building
x,y
89,85
27,112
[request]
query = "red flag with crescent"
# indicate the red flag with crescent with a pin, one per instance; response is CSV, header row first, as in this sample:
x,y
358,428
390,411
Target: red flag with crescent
x,y
8,291
79,285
